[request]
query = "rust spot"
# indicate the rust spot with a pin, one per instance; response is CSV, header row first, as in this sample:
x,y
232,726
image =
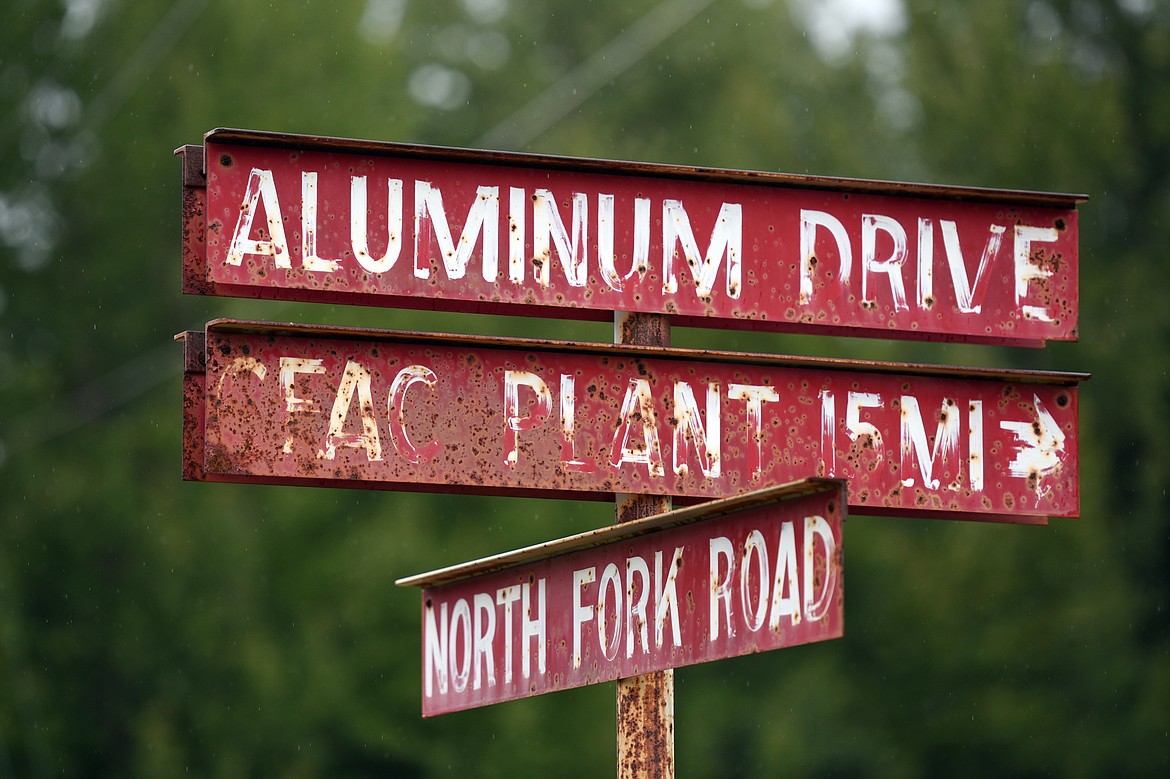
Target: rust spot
x,y
225,160
645,330
218,461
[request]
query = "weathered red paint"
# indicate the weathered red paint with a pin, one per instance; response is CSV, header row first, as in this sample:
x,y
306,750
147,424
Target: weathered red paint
x,y
1002,265
438,415
676,589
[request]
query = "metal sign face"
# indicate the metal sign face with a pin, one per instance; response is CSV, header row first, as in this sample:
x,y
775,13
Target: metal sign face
x,y
328,406
728,578
292,217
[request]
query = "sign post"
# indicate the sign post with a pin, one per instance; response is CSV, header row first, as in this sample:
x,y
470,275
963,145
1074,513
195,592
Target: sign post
x,y
645,703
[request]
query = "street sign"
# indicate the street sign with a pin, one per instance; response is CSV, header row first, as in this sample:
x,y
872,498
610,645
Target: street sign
x,y
337,407
338,221
727,578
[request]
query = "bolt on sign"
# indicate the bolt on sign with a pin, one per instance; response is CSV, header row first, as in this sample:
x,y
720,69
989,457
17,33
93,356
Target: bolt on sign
x,y
730,577
359,408
340,221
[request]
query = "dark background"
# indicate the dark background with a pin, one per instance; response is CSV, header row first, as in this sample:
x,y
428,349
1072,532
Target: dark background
x,y
150,627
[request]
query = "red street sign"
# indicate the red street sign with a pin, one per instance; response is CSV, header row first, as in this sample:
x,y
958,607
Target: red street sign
x,y
727,578
328,220
336,407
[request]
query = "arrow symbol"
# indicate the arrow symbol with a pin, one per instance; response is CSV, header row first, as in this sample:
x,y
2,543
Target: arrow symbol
x,y
1040,450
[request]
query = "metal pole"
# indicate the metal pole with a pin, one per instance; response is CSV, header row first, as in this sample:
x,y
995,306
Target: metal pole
x,y
645,704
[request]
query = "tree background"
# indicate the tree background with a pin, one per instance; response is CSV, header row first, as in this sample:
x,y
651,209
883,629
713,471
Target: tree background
x,y
150,627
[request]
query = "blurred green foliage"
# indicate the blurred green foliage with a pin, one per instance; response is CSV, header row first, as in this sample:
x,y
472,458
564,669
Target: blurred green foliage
x,y
150,627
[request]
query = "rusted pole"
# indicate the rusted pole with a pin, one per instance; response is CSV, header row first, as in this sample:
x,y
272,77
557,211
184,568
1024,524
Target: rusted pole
x,y
645,704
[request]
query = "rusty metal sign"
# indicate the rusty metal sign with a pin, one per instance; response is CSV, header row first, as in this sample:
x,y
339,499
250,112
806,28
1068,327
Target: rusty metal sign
x,y
338,407
339,221
731,577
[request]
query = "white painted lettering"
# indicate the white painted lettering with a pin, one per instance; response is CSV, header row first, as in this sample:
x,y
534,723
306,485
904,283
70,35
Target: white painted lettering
x,y
506,596
485,632
436,655
396,411
689,427
517,203
925,285
946,440
720,585
891,266
430,218
547,226
533,626
309,258
1029,268
568,428
609,590
1039,449
355,379
755,397
606,259
810,220
968,294
637,412
636,611
754,612
666,597
289,368
817,527
358,225
828,432
261,190
853,424
581,613
514,421
241,365
975,445
786,579
726,240
460,627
